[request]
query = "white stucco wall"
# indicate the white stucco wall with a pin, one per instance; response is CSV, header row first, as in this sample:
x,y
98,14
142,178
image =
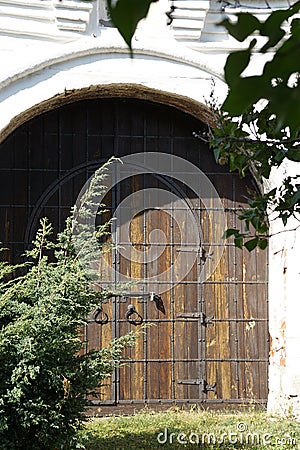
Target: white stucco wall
x,y
35,69
284,308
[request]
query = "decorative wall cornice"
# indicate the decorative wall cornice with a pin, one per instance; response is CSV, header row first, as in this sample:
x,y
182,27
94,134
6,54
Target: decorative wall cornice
x,y
194,22
45,19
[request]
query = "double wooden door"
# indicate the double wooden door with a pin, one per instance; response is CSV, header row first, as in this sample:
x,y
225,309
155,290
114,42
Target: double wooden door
x,y
207,339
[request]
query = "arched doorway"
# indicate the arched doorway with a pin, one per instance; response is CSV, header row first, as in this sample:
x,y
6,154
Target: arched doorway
x,y
210,340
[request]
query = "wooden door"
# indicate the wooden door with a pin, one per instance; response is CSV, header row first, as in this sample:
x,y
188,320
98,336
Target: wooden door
x,y
171,351
208,339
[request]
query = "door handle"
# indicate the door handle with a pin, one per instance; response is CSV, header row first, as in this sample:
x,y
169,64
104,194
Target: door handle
x,y
132,316
100,316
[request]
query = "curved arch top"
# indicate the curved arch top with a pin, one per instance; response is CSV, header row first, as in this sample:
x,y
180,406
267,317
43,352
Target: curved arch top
x,y
85,71
134,91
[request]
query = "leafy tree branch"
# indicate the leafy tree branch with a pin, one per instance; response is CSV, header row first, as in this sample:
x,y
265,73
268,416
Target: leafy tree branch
x,y
45,370
258,126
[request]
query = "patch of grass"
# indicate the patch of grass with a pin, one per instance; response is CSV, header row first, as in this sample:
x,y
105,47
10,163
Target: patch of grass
x,y
177,429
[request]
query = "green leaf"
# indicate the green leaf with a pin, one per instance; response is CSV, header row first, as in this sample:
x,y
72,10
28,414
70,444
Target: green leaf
x,y
284,63
293,154
296,197
232,164
236,63
238,242
230,232
243,93
263,228
266,171
272,28
250,245
285,103
255,220
217,153
244,27
126,14
295,27
263,243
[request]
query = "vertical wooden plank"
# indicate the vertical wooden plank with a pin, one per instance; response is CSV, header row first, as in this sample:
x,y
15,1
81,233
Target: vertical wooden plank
x,y
181,306
131,380
218,336
159,341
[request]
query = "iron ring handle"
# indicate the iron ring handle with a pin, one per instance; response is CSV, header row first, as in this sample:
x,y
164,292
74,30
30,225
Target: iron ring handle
x,y
130,312
101,321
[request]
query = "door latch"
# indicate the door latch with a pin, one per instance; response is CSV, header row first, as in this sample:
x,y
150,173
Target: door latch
x,y
158,302
205,387
204,320
208,387
143,297
204,255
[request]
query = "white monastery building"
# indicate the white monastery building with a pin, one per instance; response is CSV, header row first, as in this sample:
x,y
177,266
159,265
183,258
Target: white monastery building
x,y
70,97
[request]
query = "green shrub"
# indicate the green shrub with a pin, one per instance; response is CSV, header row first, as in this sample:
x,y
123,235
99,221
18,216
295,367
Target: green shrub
x,y
45,374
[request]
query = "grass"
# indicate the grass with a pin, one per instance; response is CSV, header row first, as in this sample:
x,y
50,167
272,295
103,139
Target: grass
x,y
191,429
